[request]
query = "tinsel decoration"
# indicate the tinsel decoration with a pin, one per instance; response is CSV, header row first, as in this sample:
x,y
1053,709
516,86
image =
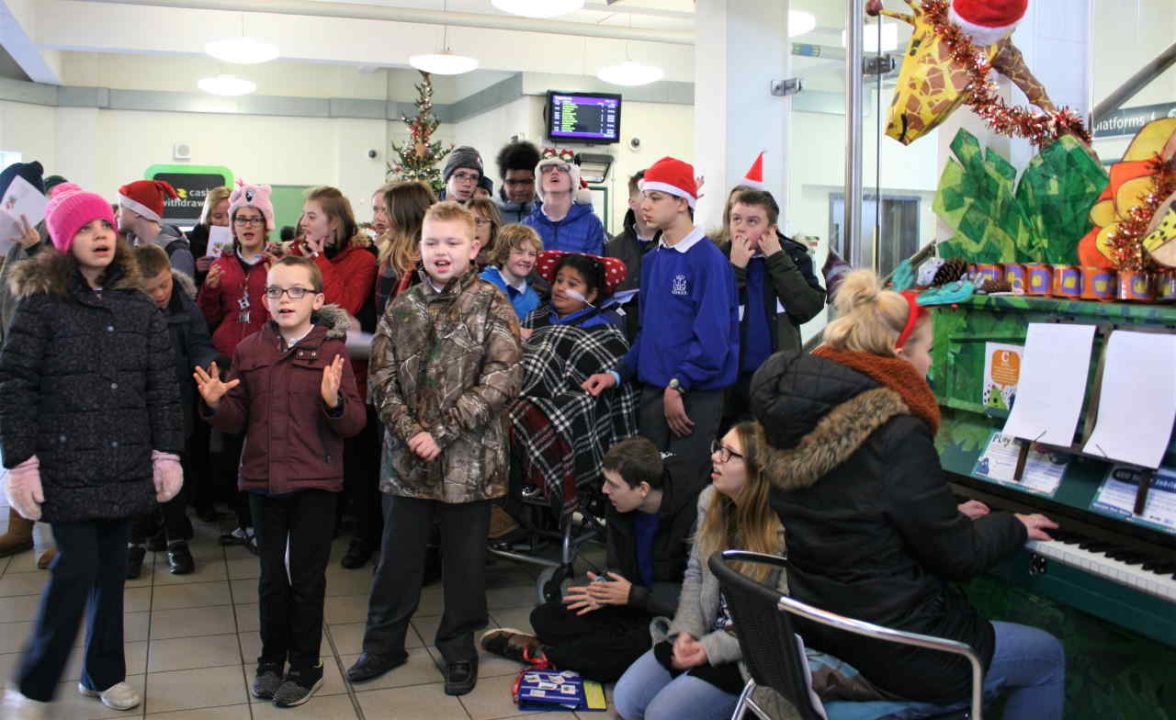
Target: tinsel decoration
x,y
1126,239
419,155
1041,128
951,270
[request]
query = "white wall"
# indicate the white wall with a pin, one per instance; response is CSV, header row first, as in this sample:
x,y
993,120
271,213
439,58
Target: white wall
x,y
29,130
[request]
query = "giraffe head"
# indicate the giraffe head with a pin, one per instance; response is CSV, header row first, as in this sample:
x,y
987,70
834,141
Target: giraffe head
x,y
930,86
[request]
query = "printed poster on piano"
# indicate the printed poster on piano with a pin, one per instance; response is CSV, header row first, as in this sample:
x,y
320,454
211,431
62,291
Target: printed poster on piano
x,y
1043,469
1116,497
1002,370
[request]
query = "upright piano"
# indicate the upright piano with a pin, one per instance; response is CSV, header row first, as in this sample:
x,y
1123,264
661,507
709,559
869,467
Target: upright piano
x,y
1107,584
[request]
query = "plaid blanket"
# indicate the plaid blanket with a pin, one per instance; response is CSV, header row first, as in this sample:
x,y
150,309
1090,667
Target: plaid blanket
x,y
553,415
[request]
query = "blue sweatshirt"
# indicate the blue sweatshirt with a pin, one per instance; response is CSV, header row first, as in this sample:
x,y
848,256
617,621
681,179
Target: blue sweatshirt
x,y
580,231
689,318
756,324
524,301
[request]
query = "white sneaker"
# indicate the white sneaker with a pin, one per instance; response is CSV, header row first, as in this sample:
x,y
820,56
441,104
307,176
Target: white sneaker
x,y
16,706
119,696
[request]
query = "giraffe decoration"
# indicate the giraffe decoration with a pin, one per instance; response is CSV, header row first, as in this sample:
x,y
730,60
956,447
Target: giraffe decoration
x,y
932,83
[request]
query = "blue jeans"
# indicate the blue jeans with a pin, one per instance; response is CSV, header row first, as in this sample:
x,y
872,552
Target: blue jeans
x,y
646,690
1029,667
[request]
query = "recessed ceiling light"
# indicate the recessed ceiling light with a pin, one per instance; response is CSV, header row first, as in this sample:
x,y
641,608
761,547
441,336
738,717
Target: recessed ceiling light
x,y
800,23
226,85
630,74
538,8
242,50
443,63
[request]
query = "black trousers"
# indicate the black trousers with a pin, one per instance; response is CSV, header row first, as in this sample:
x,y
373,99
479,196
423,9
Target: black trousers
x,y
600,645
228,464
198,474
396,589
705,409
171,516
361,479
290,604
737,401
87,577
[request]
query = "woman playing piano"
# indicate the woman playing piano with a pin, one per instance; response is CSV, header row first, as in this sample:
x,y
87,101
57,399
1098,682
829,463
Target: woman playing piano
x,y
874,532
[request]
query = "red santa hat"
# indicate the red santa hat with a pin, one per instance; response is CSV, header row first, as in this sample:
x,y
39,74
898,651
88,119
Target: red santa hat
x,y
755,174
987,21
673,177
146,197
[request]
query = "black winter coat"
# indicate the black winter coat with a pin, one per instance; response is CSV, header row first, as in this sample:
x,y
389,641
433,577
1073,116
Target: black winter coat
x,y
671,542
190,341
874,532
631,251
88,385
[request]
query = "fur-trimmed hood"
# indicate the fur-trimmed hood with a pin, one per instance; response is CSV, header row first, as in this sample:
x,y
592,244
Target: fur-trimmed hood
x,y
816,413
335,319
52,272
185,283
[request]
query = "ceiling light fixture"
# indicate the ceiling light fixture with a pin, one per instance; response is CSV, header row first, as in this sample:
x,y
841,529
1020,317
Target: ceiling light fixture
x,y
242,50
227,85
630,74
538,8
800,23
445,62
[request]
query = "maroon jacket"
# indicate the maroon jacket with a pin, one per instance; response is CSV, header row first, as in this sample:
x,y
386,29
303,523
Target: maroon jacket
x,y
291,441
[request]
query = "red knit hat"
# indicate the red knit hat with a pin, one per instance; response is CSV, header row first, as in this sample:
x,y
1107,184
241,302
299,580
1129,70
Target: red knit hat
x,y
614,268
673,177
755,174
146,197
70,211
987,21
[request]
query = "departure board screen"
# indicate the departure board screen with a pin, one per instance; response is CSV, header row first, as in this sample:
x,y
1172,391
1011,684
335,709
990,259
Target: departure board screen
x,y
584,117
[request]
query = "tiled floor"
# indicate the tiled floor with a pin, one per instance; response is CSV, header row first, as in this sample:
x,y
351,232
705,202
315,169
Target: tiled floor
x,y
192,642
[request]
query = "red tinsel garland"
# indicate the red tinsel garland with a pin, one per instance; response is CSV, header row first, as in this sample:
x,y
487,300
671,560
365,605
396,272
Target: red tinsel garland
x,y
1126,240
1040,128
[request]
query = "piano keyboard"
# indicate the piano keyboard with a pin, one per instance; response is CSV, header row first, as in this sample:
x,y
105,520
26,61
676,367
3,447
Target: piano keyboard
x,y
1149,576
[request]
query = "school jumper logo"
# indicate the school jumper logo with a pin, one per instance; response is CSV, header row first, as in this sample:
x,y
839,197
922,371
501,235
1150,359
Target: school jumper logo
x,y
679,287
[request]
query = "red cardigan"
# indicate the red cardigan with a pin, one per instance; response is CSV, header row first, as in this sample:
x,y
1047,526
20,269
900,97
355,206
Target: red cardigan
x,y
221,305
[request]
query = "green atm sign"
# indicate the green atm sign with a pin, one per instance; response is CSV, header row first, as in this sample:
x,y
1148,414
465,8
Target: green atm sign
x,y
192,183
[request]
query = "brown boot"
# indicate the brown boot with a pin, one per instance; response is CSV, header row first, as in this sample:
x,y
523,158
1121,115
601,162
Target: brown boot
x,y
501,523
19,536
46,558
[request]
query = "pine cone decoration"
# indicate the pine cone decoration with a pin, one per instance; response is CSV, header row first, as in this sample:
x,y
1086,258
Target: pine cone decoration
x,y
996,286
950,271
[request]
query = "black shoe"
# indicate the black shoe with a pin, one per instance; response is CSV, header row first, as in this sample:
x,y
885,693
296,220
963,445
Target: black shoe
x,y
135,556
369,667
358,554
157,542
298,687
461,677
179,558
267,681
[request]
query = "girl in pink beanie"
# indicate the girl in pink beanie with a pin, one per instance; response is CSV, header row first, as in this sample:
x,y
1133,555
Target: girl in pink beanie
x,y
90,430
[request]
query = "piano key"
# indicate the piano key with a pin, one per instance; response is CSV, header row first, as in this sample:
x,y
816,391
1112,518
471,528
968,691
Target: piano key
x,y
1098,563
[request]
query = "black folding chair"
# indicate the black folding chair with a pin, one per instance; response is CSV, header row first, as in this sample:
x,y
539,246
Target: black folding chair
x,y
774,658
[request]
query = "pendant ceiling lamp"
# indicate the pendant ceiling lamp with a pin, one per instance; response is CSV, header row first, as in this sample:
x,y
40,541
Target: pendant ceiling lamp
x,y
538,8
226,85
630,73
242,50
445,62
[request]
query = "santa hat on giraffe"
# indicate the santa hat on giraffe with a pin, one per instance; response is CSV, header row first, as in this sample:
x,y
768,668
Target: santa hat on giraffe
x,y
987,22
755,174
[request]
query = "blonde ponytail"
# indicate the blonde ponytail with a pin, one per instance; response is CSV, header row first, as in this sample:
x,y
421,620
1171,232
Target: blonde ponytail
x,y
870,319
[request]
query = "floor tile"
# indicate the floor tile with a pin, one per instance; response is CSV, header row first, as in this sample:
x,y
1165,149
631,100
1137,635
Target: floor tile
x,y
491,699
194,652
488,665
190,595
423,702
13,635
135,626
137,599
348,638
134,652
29,583
206,571
246,567
511,597
348,582
517,618
419,670
248,619
191,689
22,608
244,590
229,712
192,622
320,707
346,608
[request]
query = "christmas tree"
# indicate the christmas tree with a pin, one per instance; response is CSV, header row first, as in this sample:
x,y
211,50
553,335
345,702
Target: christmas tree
x,y
419,156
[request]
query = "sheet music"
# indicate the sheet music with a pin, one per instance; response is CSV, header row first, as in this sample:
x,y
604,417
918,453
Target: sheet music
x,y
1137,404
21,199
1054,370
1043,469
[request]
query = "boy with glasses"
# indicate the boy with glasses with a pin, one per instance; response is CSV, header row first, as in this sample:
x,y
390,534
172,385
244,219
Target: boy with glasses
x,y
565,220
462,173
294,396
516,166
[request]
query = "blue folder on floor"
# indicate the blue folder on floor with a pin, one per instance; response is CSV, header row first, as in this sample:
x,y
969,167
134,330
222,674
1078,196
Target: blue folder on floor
x,y
554,690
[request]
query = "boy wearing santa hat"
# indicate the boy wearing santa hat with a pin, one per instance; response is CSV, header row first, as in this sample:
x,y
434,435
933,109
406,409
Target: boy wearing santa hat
x,y
687,352
140,217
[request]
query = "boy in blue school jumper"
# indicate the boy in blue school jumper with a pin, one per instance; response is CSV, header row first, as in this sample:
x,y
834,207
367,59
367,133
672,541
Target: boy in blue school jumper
x,y
687,352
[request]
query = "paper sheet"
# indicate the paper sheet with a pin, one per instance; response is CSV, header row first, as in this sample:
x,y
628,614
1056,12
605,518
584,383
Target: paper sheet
x,y
1116,497
1043,470
1137,404
21,198
219,239
1054,369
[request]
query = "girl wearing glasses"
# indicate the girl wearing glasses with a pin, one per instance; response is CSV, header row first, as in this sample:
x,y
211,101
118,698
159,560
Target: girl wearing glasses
x,y
695,673
231,300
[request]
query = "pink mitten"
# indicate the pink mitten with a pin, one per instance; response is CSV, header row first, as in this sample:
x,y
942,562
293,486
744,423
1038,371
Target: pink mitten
x,y
24,489
168,475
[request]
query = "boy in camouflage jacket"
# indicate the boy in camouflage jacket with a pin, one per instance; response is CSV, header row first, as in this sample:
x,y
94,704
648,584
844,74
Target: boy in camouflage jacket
x,y
445,366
